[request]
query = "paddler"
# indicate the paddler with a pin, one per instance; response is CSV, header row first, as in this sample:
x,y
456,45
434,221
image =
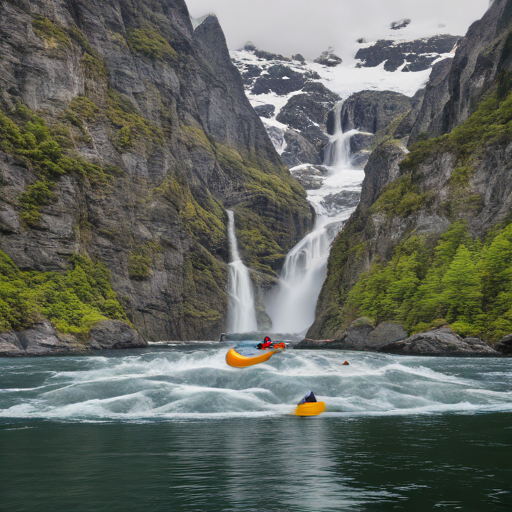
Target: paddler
x,y
309,398
266,343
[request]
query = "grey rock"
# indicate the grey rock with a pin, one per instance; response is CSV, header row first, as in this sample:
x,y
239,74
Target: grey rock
x,y
299,58
310,108
111,334
310,344
10,345
279,79
417,53
361,142
359,160
40,340
397,25
249,73
299,150
426,118
329,59
307,113
262,54
309,176
346,199
360,336
382,168
372,111
276,135
481,56
360,149
505,345
267,111
440,342
387,332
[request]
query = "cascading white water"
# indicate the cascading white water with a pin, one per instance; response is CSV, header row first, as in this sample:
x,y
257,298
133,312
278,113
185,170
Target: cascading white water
x,y
292,308
337,152
241,309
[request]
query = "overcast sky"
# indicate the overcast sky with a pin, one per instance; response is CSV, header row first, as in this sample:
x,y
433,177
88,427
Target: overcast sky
x,y
310,26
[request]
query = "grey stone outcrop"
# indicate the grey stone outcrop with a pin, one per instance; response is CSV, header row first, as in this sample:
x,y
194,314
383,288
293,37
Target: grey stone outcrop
x,y
440,342
44,340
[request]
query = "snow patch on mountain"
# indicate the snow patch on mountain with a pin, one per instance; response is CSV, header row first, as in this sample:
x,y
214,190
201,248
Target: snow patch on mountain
x,y
294,96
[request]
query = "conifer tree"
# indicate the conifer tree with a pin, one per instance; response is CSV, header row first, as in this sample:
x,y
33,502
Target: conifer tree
x,y
462,289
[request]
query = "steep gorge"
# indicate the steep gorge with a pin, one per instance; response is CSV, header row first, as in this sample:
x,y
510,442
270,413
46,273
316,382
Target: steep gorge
x,y
125,134
434,220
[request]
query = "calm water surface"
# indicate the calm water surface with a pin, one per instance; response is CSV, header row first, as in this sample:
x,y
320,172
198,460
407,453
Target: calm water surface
x,y
174,428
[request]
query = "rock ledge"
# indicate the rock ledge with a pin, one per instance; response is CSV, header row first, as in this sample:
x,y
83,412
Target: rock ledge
x,y
440,342
44,340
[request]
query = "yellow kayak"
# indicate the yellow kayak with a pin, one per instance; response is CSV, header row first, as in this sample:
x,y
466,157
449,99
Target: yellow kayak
x,y
310,409
233,358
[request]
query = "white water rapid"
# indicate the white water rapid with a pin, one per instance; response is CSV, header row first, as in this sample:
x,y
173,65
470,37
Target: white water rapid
x,y
292,308
241,310
194,382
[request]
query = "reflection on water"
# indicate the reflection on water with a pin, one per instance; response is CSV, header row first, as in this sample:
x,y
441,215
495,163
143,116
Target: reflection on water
x,y
356,464
157,430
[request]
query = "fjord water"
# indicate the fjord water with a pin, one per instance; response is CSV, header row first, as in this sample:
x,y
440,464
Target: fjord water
x,y
175,428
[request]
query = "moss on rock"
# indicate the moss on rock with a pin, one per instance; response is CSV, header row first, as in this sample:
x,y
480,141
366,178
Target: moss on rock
x,y
74,302
149,42
134,132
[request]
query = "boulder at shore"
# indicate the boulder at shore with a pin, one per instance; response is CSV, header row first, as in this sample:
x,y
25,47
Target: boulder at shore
x,y
360,335
44,340
505,345
440,342
391,338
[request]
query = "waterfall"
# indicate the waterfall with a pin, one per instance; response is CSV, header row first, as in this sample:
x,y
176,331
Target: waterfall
x,y
241,310
337,152
292,307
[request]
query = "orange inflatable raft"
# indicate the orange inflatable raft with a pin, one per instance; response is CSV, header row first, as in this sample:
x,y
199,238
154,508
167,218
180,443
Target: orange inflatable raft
x,y
310,409
233,358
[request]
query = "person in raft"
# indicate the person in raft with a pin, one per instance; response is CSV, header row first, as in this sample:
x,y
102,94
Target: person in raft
x,y
265,344
310,397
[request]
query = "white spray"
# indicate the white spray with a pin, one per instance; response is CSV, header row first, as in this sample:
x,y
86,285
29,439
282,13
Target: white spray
x,y
292,308
241,310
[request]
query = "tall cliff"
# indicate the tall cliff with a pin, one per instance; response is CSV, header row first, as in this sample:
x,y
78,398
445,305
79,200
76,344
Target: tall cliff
x,y
431,241
125,135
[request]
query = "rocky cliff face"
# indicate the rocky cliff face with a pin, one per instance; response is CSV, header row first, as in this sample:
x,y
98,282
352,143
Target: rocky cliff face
x,y
453,191
372,111
143,136
410,56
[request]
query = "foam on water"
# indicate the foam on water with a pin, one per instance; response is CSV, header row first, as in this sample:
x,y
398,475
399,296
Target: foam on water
x,y
173,384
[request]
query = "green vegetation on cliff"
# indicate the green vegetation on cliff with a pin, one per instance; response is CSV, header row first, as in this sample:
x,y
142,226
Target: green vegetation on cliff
x,y
54,35
74,302
204,278
423,282
459,281
141,260
490,124
267,188
150,43
203,217
133,128
27,136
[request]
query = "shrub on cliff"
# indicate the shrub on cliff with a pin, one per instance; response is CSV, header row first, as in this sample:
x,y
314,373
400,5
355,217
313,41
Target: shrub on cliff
x,y
74,302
